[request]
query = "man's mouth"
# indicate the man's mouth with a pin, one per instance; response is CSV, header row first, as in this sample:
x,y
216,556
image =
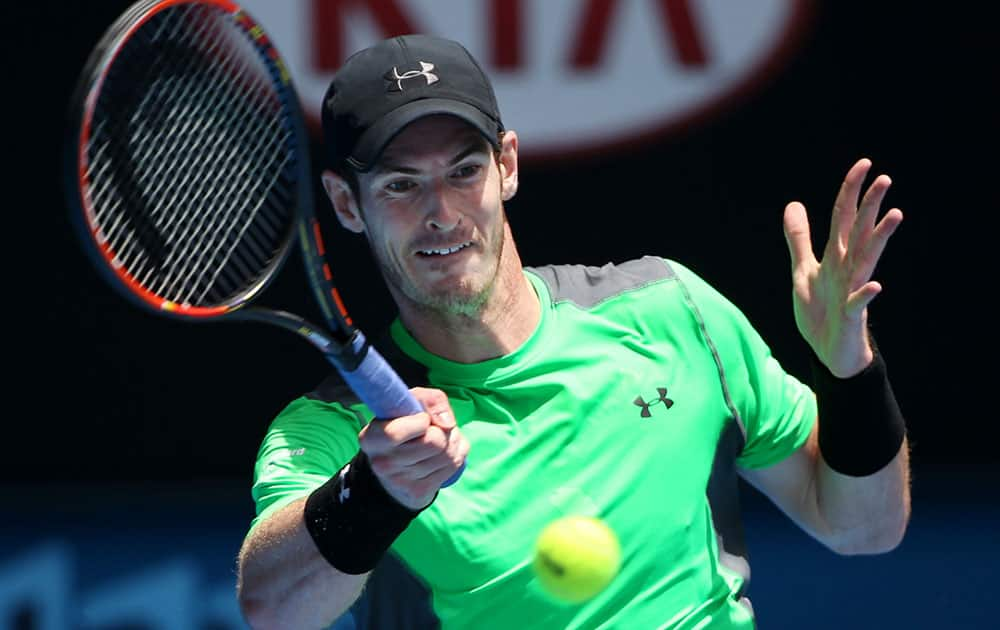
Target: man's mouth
x,y
444,251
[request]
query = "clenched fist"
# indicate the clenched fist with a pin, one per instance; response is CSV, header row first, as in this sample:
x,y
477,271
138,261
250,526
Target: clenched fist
x,y
412,456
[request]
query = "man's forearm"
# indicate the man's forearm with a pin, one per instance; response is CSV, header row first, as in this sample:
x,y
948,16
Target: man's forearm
x,y
864,515
284,582
862,468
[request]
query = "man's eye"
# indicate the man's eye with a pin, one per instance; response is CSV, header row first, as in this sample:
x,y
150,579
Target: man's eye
x,y
399,186
467,171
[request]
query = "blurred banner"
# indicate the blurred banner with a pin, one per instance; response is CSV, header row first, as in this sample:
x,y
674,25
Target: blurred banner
x,y
574,76
163,557
115,556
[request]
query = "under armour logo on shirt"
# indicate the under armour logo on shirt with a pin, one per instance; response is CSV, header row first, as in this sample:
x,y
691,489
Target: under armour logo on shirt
x,y
396,79
646,404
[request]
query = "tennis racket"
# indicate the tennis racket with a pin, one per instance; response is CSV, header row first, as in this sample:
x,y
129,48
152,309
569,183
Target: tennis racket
x,y
189,181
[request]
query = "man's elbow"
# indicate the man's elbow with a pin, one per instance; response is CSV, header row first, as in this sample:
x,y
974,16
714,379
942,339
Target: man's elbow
x,y
874,539
304,604
257,613
869,545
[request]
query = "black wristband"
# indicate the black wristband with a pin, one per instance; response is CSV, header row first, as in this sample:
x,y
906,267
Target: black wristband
x,y
860,425
353,520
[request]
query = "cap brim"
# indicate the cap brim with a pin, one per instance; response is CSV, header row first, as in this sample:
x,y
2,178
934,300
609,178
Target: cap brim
x,y
373,141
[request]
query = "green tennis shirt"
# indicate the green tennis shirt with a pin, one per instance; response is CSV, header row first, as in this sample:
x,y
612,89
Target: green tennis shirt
x,y
635,399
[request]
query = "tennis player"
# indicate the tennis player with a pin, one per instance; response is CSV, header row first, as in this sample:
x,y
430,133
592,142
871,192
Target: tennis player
x,y
633,392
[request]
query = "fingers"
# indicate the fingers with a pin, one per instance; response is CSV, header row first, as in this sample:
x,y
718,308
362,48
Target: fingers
x,y
413,455
845,208
433,442
796,225
436,403
864,221
383,436
413,473
857,238
859,300
869,254
436,468
885,228
867,239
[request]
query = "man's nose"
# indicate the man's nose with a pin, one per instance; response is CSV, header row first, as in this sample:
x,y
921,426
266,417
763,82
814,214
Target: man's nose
x,y
442,211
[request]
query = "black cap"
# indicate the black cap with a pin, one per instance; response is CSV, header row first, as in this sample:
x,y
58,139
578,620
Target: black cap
x,y
381,89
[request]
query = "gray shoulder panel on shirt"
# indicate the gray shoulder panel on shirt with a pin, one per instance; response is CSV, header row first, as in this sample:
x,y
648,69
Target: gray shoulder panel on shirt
x,y
589,286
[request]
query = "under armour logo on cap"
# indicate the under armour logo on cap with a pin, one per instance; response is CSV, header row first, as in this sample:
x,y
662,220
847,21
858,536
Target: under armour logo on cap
x,y
396,79
381,89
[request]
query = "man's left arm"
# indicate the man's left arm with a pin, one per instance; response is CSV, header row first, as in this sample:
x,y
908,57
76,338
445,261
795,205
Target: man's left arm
x,y
848,485
848,514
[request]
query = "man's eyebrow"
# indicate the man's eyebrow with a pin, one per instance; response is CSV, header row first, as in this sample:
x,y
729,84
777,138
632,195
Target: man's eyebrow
x,y
477,145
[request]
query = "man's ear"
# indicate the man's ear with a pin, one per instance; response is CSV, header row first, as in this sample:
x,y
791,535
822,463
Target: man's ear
x,y
508,165
345,206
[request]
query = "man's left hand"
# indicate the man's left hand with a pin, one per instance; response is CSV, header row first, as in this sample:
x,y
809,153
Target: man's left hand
x,y
831,296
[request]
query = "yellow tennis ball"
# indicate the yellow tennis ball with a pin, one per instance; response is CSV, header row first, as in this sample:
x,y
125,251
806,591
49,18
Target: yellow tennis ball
x,y
576,557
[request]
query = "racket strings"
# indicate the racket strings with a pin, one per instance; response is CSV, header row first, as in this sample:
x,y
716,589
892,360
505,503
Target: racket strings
x,y
206,263
219,223
191,184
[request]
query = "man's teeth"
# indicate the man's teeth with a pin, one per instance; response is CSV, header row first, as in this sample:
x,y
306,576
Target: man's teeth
x,y
444,251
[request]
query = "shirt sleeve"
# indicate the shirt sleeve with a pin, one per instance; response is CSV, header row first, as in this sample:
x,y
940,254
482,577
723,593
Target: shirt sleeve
x,y
777,411
306,444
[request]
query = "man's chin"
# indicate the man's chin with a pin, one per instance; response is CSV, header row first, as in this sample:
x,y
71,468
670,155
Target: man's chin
x,y
452,297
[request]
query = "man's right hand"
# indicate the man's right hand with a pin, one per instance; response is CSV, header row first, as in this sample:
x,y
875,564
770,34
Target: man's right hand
x,y
413,455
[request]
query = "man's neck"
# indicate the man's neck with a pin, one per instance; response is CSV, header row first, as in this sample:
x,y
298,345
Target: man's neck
x,y
507,319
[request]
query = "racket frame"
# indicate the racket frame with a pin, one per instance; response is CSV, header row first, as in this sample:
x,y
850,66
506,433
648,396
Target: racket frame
x,y
359,363
83,216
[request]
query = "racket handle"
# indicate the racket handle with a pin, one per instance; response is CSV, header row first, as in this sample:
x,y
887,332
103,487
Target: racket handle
x,y
379,387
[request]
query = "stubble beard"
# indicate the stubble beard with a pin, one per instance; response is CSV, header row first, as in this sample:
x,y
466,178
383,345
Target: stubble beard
x,y
466,299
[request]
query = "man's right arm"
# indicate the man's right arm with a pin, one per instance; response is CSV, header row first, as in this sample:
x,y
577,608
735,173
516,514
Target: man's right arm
x,y
287,566
284,582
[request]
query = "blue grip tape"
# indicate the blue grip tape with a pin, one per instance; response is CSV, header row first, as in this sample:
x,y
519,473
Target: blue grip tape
x,y
381,390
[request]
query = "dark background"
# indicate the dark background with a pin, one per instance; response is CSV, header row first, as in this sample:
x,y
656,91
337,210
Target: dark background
x,y
911,88
102,395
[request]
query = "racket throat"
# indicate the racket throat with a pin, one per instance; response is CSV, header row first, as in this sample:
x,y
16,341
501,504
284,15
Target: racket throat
x,y
348,355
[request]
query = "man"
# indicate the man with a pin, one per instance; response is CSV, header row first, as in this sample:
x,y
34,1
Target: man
x,y
553,387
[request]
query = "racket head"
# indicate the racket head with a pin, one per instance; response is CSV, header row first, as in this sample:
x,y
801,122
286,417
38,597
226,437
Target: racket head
x,y
187,162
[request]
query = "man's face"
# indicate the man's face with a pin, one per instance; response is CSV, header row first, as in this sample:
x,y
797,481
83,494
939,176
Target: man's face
x,y
433,215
